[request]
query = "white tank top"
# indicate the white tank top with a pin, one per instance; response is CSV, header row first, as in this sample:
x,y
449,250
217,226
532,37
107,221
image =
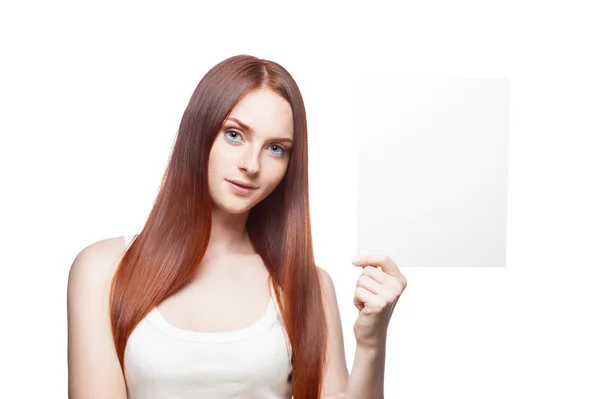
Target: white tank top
x,y
166,362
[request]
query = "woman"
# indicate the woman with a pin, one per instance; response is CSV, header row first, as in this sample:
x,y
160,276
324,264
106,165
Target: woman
x,y
178,311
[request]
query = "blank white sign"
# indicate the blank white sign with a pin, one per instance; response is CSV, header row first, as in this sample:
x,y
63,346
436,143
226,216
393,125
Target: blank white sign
x,y
432,187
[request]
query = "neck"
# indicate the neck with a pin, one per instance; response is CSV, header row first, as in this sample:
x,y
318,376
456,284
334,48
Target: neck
x,y
228,234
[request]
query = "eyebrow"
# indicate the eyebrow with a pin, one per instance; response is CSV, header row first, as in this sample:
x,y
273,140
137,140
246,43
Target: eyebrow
x,y
249,129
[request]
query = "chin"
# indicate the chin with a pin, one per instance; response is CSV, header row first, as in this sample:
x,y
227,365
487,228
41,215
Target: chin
x,y
233,208
238,211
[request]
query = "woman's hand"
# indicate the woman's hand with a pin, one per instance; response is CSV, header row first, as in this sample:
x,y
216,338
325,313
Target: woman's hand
x,y
377,292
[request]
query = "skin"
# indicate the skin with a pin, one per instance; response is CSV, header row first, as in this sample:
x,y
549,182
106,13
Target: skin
x,y
260,159
254,157
229,274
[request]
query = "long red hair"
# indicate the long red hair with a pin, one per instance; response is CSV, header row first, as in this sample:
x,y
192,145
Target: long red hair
x,y
173,241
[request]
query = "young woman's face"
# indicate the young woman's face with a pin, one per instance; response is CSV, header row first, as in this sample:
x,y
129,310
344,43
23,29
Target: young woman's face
x,y
258,157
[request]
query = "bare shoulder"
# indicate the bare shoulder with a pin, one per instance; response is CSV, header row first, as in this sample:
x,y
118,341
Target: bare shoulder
x,y
98,258
93,268
326,282
329,296
93,363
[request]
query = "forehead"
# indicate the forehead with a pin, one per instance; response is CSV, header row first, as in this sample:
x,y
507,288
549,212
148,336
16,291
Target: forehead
x,y
265,112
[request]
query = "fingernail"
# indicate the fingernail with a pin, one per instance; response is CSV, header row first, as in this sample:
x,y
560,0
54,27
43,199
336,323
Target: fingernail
x,y
356,259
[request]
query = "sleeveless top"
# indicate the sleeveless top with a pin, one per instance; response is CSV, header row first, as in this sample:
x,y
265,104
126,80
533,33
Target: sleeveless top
x,y
164,361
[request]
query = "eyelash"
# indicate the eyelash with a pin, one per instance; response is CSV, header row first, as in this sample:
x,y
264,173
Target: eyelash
x,y
283,149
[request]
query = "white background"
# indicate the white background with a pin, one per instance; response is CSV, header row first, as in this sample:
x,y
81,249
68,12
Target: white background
x,y
91,95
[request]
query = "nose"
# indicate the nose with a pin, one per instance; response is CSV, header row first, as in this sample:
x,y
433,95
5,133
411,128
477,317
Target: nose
x,y
249,163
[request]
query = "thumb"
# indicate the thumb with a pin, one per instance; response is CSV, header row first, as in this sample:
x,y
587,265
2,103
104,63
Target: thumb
x,y
358,303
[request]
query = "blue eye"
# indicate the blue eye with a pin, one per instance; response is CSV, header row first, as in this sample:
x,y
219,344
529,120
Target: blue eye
x,y
231,131
282,150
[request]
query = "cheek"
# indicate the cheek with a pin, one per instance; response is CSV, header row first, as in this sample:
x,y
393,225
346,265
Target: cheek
x,y
217,157
223,154
276,178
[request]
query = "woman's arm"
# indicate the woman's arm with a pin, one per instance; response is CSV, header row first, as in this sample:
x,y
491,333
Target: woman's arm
x,y
366,379
336,372
94,368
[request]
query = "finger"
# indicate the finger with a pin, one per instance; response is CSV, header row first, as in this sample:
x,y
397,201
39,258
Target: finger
x,y
358,303
383,261
369,284
368,299
377,274
386,291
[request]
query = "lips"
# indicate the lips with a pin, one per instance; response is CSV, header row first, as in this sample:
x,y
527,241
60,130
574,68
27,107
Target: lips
x,y
241,183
